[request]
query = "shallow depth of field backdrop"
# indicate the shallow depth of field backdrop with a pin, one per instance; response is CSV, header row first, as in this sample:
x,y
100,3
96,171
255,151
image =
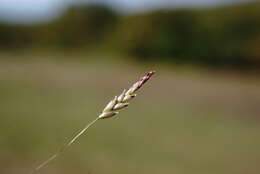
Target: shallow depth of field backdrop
x,y
61,62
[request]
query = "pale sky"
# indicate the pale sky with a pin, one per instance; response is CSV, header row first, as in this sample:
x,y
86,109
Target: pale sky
x,y
27,11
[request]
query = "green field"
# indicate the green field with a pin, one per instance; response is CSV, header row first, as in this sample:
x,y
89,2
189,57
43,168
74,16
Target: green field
x,y
184,121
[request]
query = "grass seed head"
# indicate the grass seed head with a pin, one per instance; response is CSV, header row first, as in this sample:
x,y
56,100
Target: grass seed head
x,y
119,102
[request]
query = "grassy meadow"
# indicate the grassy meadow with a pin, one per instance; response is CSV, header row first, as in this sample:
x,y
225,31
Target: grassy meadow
x,y
184,121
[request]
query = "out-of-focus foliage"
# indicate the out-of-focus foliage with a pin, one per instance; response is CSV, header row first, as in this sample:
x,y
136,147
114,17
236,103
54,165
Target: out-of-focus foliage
x,y
225,36
159,34
78,28
85,26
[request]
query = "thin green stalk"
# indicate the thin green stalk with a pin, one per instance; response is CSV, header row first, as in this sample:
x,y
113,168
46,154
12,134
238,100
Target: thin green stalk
x,y
63,148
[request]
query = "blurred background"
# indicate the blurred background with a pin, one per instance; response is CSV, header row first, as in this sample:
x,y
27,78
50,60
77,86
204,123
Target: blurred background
x,y
61,61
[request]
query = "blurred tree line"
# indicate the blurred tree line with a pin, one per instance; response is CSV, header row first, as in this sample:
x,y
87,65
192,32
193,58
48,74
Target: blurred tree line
x,y
80,27
225,36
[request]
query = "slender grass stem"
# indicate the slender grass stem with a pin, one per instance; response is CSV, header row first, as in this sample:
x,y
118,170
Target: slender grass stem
x,y
64,147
